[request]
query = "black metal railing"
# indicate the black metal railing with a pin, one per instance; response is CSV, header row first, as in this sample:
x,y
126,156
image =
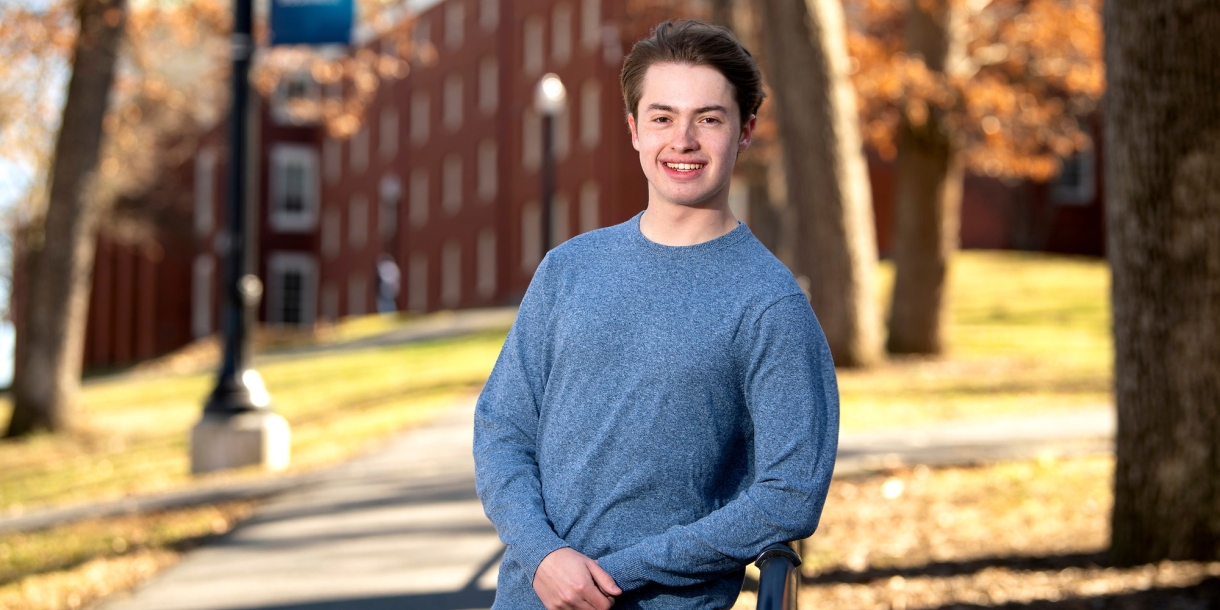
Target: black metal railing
x,y
777,578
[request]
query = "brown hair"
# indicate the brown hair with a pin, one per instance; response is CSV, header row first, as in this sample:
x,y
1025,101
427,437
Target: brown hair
x,y
694,43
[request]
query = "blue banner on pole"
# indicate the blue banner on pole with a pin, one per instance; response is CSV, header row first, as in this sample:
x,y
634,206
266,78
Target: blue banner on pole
x,y
311,21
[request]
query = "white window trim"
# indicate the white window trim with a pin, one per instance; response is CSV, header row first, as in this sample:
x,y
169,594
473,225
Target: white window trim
x,y
277,264
489,85
561,33
1081,193
279,99
282,220
205,190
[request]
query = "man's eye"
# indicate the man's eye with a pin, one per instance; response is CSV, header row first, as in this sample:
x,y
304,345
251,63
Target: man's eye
x,y
711,119
661,119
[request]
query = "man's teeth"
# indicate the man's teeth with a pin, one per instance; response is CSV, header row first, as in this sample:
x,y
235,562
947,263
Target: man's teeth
x,y
684,167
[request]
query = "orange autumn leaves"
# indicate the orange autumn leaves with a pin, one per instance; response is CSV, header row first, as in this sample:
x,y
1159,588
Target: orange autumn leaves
x,y
1016,101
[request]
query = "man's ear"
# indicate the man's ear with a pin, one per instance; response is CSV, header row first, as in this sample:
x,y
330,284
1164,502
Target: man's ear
x,y
635,137
747,134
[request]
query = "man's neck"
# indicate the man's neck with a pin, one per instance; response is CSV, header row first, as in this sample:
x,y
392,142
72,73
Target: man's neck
x,y
674,225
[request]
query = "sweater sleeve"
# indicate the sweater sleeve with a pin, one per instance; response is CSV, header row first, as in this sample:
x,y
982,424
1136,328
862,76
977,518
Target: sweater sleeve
x,y
792,398
505,432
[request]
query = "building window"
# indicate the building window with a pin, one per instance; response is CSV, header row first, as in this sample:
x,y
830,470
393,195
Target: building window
x,y
485,282
563,134
358,149
390,194
332,157
330,302
455,24
451,274
1075,183
291,288
387,135
560,219
205,191
489,83
590,214
451,184
489,14
417,283
531,140
561,33
485,182
294,188
418,213
531,236
357,291
357,221
452,108
295,100
420,116
332,232
202,279
590,113
590,23
531,39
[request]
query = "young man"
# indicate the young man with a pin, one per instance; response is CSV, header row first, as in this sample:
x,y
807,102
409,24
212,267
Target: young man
x,y
665,405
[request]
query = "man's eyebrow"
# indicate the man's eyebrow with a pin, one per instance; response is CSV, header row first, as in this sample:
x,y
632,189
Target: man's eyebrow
x,y
702,110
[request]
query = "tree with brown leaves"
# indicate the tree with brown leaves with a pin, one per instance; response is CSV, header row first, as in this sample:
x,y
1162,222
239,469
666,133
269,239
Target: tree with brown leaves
x,y
999,87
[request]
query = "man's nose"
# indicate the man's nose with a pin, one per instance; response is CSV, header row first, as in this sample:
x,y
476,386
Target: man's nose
x,y
684,138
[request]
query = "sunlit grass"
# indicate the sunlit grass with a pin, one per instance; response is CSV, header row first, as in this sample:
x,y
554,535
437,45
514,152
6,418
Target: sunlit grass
x,y
134,430
1029,333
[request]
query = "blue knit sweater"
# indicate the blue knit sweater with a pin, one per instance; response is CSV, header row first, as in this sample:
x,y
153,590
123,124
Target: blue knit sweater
x,y
667,411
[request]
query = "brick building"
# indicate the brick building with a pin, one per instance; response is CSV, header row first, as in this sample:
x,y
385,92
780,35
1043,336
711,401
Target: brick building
x,y
444,179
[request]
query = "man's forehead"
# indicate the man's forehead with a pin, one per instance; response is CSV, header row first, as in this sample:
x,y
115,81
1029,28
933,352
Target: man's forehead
x,y
684,86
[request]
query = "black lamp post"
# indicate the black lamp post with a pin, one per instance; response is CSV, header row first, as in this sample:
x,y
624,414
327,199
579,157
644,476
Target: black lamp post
x,y
238,387
238,427
550,99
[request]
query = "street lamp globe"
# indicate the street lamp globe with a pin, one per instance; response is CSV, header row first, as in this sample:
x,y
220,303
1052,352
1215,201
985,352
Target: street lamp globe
x,y
550,97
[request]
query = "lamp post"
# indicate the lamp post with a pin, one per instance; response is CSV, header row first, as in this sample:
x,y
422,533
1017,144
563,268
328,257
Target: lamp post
x,y
238,427
550,100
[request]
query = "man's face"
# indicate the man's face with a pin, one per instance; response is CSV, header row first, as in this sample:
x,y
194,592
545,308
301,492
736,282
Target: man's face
x,y
688,134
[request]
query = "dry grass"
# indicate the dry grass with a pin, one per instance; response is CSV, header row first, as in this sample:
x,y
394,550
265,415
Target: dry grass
x,y
1026,534
75,565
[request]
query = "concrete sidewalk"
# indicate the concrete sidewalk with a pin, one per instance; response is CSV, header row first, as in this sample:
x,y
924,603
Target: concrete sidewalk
x,y
402,527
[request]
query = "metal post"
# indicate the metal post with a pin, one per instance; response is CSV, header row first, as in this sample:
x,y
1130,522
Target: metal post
x,y
548,178
233,392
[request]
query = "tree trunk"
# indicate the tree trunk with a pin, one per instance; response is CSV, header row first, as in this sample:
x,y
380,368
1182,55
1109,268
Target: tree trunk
x,y
1162,139
48,376
928,209
828,188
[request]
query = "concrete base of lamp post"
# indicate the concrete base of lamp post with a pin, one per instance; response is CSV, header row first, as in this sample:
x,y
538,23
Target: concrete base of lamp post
x,y
219,442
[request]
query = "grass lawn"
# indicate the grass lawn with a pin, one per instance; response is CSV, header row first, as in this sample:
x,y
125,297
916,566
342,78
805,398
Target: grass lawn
x,y
1029,333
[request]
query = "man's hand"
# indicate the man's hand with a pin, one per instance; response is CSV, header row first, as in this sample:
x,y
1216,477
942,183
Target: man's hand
x,y
567,580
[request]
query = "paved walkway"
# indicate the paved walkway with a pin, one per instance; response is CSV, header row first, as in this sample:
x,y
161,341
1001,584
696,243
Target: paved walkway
x,y
402,528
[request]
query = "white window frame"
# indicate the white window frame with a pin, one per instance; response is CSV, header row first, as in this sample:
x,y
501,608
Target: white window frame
x,y
389,204
206,161
561,33
280,113
489,14
489,85
590,204
387,134
531,139
590,24
418,199
358,222
285,221
417,283
485,170
451,274
451,183
277,264
455,24
421,110
532,40
485,273
203,274
1081,192
453,97
590,114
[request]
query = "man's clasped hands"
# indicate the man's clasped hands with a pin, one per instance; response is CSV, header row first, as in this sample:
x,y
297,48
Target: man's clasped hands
x,y
568,580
